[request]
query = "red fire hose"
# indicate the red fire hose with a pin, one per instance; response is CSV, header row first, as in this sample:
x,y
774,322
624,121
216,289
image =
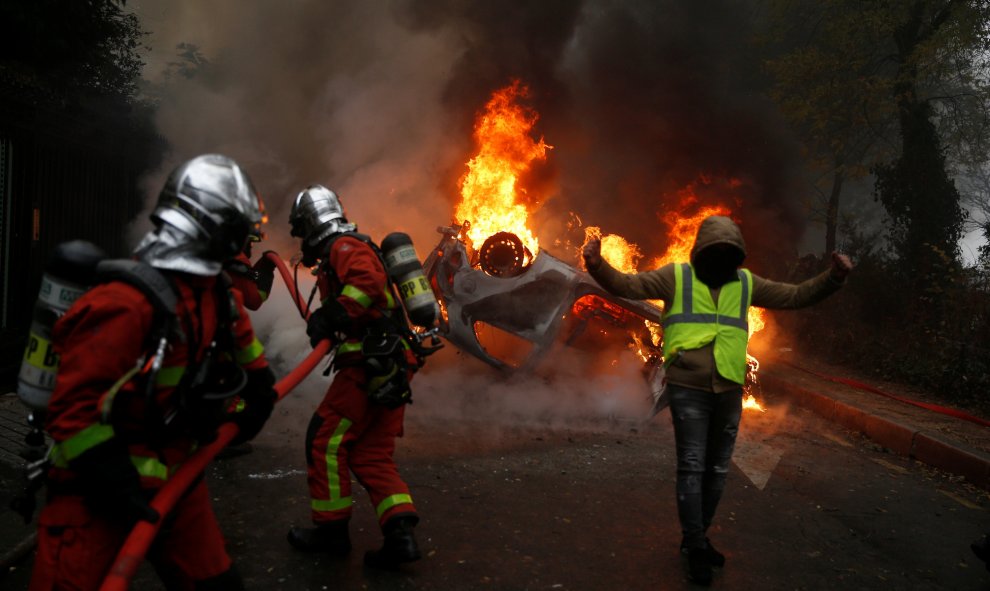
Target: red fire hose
x,y
139,540
297,298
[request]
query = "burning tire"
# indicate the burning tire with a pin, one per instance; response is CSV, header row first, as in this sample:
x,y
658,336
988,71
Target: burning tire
x,y
503,255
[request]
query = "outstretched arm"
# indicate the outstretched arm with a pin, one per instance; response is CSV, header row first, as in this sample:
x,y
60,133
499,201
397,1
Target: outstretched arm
x,y
781,296
650,285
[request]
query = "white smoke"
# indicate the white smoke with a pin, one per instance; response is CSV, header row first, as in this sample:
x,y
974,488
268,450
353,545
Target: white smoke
x,y
335,93
562,393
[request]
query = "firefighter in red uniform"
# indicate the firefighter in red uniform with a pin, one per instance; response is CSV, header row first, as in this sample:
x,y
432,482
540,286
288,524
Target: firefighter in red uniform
x,y
128,409
255,284
253,281
349,432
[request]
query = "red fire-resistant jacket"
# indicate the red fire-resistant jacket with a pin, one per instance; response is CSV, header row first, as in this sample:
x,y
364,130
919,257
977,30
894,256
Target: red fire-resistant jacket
x,y
357,279
241,275
100,340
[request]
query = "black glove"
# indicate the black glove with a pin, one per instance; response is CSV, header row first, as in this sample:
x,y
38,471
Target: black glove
x,y
259,400
264,271
326,321
110,483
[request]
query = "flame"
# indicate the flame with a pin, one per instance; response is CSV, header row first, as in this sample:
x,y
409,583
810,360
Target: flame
x,y
683,228
619,252
493,201
489,189
751,403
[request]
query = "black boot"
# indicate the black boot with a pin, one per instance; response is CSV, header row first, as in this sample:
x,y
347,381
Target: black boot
x,y
981,548
715,558
399,546
330,537
699,567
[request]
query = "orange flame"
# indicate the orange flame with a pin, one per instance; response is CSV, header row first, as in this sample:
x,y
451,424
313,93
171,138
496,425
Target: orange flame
x,y
751,403
489,189
683,230
619,252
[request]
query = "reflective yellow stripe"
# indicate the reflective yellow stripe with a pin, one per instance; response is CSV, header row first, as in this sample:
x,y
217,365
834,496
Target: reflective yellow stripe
x,y
335,501
349,347
150,467
389,300
250,353
169,376
357,295
695,319
75,446
392,501
333,505
108,398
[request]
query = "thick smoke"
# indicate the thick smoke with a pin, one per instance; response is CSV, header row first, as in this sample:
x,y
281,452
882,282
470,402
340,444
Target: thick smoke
x,y
336,93
639,100
377,101
455,386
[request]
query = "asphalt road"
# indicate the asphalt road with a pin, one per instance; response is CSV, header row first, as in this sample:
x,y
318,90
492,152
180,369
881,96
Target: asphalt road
x,y
556,483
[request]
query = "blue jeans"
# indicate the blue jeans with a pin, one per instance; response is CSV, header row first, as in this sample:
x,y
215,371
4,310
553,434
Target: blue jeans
x,y
705,429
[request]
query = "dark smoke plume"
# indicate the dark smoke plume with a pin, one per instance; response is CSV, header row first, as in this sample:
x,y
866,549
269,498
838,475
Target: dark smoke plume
x,y
377,100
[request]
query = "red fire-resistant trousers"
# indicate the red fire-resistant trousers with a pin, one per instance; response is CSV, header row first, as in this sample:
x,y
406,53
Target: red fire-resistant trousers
x,y
348,434
76,548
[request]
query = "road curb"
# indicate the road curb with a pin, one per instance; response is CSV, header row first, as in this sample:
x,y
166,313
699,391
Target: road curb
x,y
893,435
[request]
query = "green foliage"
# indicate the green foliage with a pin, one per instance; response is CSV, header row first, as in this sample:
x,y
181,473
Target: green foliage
x,y
862,81
831,78
922,200
74,67
70,49
189,63
879,327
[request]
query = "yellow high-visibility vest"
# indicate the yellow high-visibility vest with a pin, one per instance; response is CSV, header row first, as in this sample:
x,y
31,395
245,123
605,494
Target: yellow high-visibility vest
x,y
693,320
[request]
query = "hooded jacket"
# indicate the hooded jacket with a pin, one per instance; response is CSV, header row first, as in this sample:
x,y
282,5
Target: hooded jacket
x,y
695,368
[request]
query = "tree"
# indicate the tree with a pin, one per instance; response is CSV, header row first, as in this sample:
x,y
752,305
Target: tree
x,y
823,63
975,187
933,41
70,49
887,87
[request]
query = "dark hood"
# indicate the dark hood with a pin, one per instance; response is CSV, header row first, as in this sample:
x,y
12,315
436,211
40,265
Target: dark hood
x,y
718,229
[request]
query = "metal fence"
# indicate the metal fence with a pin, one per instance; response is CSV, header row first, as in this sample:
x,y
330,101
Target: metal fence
x,y
60,179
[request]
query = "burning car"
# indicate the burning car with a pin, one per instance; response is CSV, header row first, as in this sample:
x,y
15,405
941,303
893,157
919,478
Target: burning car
x,y
509,308
508,302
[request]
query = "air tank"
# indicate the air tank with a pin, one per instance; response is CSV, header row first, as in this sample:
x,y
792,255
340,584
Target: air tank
x,y
406,271
69,273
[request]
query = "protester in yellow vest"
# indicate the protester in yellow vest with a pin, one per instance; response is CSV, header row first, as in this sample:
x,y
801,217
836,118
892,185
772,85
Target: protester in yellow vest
x,y
706,305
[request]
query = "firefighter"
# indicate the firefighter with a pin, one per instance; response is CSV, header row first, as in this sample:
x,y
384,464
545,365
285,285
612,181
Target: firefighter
x,y
253,281
255,284
349,432
705,336
128,409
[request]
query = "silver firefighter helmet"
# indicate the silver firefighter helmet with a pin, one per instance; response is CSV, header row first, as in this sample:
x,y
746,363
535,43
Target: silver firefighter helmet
x,y
316,214
257,233
205,214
